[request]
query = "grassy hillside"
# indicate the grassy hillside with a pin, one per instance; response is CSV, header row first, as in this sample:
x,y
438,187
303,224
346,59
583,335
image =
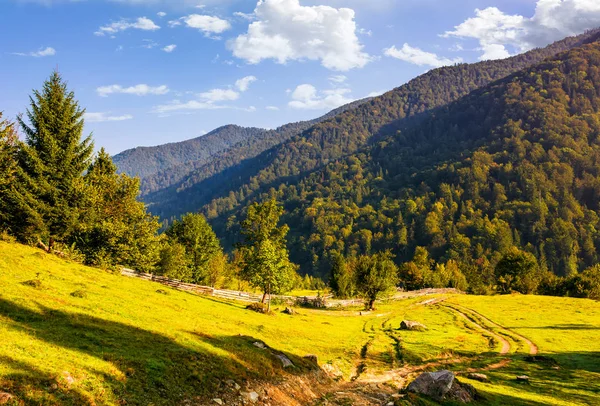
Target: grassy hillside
x,y
85,336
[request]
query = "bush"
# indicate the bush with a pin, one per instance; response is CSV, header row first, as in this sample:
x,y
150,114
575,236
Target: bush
x,y
257,307
81,294
34,283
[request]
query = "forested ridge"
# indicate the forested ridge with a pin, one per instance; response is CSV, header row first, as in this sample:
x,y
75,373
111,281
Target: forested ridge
x,y
514,164
146,161
167,168
228,188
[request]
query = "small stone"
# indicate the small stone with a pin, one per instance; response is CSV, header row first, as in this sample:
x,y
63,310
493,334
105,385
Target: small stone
x,y
251,396
478,377
5,398
218,401
259,344
390,404
289,310
523,378
412,325
284,360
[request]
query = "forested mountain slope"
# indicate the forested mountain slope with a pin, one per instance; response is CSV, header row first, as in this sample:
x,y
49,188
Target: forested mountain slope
x,y
252,141
516,163
145,161
228,189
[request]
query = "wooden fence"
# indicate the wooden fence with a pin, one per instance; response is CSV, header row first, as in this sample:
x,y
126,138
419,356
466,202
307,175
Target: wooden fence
x,y
324,301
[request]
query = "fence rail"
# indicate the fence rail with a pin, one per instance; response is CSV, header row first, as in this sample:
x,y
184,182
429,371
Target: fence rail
x,y
323,301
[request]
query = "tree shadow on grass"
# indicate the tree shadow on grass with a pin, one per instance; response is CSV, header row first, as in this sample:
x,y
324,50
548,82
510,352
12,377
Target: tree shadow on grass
x,y
154,368
258,356
26,379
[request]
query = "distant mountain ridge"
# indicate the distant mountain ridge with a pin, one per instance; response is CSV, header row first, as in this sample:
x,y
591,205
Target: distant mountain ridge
x,y
224,190
164,165
145,161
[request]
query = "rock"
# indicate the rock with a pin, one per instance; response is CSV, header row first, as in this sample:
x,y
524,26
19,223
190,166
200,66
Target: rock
x,y
461,393
284,360
5,398
251,396
312,358
433,384
289,310
478,377
522,378
412,325
442,386
218,401
260,344
233,384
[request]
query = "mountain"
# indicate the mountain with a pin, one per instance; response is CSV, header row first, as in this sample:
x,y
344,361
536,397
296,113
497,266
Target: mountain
x,y
225,189
162,166
515,163
146,161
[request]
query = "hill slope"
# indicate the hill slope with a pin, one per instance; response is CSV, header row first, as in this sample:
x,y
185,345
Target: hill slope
x,y
341,135
513,163
82,336
146,161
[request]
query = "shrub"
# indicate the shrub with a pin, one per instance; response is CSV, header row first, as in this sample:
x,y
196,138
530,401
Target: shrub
x,y
81,294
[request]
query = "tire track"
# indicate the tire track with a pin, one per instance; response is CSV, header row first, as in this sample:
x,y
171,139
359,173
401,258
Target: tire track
x,y
506,347
533,348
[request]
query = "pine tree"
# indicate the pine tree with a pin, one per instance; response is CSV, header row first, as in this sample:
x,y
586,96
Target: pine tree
x,y
52,161
8,140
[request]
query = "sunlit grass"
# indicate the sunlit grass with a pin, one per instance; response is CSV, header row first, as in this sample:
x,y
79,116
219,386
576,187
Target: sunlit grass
x,y
123,340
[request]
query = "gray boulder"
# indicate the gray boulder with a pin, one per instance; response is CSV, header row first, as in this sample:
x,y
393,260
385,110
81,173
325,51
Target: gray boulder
x,y
442,386
433,384
412,325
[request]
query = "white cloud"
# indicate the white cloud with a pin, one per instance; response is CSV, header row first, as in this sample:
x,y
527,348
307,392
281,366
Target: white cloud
x,y
48,51
307,97
103,117
245,16
244,83
169,48
419,57
337,79
552,21
217,95
177,105
161,14
285,31
272,108
142,23
207,24
138,90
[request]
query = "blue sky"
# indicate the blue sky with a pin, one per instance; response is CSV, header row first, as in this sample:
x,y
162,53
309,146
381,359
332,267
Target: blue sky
x,y
156,71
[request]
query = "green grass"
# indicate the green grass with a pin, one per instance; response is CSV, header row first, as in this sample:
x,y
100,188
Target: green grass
x,y
81,336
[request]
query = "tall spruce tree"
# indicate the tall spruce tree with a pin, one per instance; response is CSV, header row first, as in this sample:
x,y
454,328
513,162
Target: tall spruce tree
x,y
8,139
52,161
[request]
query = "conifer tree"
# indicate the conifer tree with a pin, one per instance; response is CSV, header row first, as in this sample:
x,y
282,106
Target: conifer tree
x,y
52,161
8,139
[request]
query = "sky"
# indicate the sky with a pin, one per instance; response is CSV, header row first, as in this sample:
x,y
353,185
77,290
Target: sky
x,y
149,72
